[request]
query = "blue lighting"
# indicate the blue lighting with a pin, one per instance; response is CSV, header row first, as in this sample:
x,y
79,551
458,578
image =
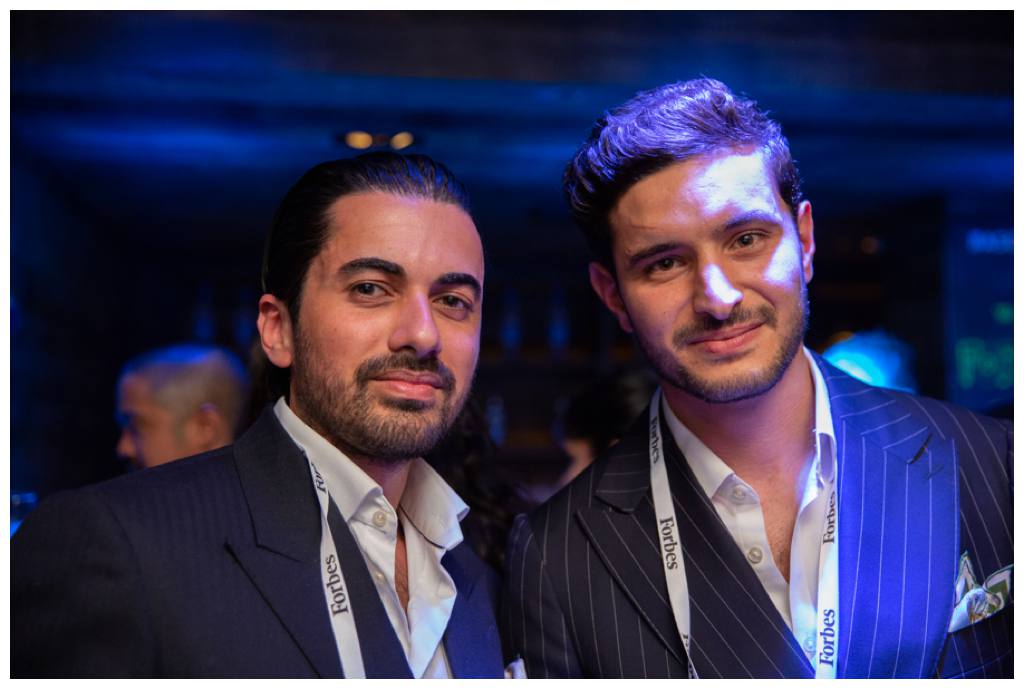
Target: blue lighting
x,y
558,322
989,241
875,358
511,332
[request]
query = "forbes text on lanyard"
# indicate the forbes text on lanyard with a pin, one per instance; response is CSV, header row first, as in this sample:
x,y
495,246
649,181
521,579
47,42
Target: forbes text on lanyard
x,y
339,606
826,651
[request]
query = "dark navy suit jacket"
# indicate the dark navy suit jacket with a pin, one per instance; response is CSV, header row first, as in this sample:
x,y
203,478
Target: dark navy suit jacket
x,y
208,567
919,483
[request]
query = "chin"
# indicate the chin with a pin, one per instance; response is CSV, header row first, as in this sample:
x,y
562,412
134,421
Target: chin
x,y
738,380
405,404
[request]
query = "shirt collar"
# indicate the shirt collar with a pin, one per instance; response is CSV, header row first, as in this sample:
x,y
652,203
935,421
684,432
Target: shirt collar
x,y
429,503
432,506
711,472
824,431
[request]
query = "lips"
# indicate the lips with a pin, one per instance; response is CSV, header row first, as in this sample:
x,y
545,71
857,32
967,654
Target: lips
x,y
728,340
411,385
412,377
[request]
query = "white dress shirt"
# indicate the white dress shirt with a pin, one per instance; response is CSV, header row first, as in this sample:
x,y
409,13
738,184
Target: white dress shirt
x,y
430,512
739,507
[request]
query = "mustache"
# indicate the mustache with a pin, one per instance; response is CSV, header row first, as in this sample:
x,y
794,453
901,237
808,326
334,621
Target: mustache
x,y
708,325
404,361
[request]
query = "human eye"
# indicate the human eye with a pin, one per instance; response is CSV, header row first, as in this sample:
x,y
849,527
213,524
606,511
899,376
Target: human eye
x,y
749,240
457,306
662,265
367,290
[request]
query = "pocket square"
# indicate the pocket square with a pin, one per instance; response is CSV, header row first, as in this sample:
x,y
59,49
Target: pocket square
x,y
516,669
976,602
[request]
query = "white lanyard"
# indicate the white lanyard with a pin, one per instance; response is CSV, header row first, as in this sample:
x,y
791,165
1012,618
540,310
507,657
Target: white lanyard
x,y
668,534
675,569
335,591
827,646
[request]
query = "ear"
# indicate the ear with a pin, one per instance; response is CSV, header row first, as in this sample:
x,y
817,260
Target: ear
x,y
805,230
207,429
607,291
276,333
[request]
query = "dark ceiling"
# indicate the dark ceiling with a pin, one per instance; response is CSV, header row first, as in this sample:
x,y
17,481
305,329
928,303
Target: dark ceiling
x,y
194,124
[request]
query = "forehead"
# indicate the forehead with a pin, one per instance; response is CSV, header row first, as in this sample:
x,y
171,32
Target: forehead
x,y
427,238
700,192
133,387
135,394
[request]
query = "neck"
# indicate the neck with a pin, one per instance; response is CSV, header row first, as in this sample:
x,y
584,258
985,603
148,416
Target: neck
x,y
767,436
391,476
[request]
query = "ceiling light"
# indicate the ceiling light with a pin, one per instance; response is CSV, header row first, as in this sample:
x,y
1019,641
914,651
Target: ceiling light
x,y
401,140
358,139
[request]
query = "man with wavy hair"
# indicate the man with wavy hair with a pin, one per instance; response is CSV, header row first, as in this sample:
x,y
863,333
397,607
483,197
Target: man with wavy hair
x,y
768,515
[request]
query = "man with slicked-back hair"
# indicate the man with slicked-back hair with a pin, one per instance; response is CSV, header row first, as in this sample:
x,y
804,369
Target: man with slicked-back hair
x,y
320,544
767,515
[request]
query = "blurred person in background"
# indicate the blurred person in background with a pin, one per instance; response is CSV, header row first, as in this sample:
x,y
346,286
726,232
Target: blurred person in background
x,y
593,419
179,401
597,416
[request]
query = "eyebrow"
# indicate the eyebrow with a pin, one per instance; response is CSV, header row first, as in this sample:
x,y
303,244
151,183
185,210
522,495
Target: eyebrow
x,y
741,220
461,279
391,268
644,254
748,218
372,263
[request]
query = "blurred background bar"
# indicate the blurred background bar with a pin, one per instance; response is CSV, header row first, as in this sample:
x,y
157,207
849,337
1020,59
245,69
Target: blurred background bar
x,y
150,149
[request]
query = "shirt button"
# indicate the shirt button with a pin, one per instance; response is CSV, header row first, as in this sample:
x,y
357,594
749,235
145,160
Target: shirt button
x,y
739,493
379,575
379,518
755,555
809,644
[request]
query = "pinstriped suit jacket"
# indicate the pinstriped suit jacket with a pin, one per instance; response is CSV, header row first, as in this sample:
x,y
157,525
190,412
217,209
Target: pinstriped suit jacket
x,y
209,567
919,481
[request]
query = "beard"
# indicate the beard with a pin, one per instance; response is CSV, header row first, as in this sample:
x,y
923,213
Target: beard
x,y
381,429
750,383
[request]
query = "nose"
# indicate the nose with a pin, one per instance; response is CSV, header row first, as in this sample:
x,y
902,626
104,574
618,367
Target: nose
x,y
126,445
715,294
416,328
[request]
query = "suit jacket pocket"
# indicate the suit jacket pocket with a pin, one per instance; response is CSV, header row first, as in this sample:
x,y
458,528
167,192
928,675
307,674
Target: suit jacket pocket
x,y
981,650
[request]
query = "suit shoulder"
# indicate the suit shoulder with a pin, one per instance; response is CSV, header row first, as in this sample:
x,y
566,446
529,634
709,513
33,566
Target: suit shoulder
x,y
891,417
945,419
983,445
950,420
559,508
131,499
203,469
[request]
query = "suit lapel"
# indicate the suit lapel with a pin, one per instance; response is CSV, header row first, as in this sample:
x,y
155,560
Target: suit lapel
x,y
898,532
470,640
624,537
282,562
